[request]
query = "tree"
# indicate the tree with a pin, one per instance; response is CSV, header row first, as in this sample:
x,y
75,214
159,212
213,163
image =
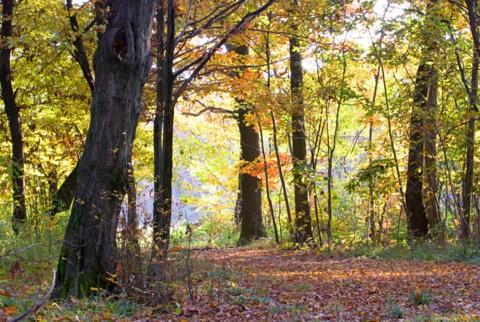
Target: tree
x,y
163,126
13,114
250,185
122,63
416,215
421,193
184,75
251,222
302,221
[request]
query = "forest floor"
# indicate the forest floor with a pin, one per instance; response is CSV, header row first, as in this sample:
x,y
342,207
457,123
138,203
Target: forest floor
x,y
266,285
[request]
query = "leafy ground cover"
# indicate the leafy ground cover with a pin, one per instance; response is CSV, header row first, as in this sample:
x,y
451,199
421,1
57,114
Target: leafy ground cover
x,y
267,284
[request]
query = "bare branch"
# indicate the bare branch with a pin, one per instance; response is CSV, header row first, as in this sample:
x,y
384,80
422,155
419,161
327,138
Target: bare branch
x,y
210,109
209,54
37,305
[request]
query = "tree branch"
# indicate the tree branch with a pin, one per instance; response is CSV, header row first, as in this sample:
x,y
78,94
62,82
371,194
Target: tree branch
x,y
37,305
209,54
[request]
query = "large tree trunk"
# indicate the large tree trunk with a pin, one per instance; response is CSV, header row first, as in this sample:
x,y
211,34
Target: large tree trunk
x,y
251,222
250,194
13,114
122,62
416,215
422,186
303,225
302,220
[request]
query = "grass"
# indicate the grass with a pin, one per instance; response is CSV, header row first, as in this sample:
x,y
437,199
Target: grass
x,y
420,298
303,287
394,311
423,251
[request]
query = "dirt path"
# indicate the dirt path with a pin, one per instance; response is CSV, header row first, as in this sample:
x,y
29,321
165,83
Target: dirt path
x,y
275,285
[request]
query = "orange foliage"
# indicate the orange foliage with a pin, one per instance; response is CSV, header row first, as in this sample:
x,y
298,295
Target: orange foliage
x,y
256,168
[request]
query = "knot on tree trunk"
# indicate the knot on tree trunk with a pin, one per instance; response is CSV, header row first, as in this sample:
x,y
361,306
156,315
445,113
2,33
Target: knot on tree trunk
x,y
121,44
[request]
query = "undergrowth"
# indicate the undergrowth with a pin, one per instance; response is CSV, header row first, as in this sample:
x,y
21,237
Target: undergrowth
x,y
424,251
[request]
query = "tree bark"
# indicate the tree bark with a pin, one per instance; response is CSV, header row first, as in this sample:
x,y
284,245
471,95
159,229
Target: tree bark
x,y
158,121
302,220
238,203
422,187
122,62
315,150
416,215
431,34
133,259
63,197
164,129
12,110
250,192
251,221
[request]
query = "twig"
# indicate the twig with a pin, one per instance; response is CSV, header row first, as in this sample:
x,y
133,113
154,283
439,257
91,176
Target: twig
x,y
18,251
210,109
37,305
